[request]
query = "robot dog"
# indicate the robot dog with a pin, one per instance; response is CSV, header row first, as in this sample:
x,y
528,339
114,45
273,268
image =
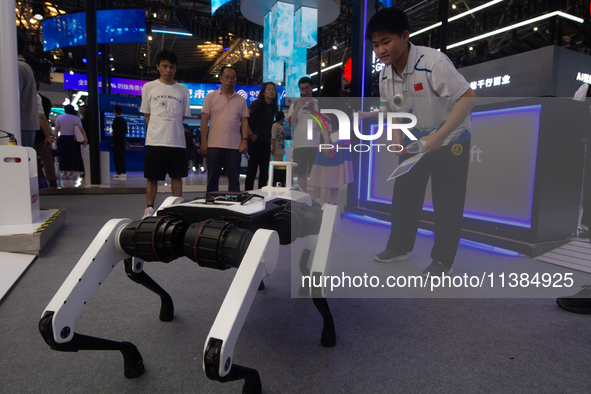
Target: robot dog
x,y
224,230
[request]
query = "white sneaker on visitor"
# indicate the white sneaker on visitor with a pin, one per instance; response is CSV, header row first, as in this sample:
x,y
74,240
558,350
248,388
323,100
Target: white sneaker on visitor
x,y
148,212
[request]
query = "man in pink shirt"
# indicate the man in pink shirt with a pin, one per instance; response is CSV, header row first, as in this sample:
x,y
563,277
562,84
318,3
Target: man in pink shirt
x,y
225,138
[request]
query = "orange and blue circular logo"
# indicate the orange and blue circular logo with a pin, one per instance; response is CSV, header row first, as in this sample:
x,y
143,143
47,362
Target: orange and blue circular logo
x,y
457,149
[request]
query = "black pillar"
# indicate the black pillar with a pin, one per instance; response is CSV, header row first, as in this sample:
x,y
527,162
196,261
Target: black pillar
x,y
94,138
319,56
361,80
443,17
363,10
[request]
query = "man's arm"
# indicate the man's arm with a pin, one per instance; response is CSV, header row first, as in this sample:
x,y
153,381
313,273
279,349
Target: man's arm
x,y
458,114
244,131
253,136
147,116
44,125
204,131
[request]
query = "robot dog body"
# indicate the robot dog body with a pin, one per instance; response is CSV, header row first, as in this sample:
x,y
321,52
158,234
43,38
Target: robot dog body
x,y
222,231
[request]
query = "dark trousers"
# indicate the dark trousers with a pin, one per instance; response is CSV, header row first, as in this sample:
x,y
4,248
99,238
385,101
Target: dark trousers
x,y
47,158
449,173
260,155
229,159
119,158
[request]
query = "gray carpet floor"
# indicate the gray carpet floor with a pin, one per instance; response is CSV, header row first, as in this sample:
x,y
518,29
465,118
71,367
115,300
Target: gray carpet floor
x,y
384,345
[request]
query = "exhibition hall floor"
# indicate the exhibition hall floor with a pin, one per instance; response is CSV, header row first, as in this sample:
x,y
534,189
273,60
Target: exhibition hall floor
x,y
384,345
135,183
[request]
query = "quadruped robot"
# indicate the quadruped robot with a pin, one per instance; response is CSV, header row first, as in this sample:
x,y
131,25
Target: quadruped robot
x,y
224,230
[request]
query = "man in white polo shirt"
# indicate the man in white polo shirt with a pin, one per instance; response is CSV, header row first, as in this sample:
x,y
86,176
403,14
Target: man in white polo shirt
x,y
441,99
165,104
224,132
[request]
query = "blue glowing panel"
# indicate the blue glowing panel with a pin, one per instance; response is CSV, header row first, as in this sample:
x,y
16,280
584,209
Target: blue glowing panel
x,y
197,91
306,27
282,31
118,26
296,69
388,3
136,125
215,4
113,26
64,31
500,177
272,67
118,85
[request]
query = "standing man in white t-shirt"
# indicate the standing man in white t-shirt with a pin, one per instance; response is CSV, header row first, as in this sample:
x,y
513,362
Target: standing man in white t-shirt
x,y
165,105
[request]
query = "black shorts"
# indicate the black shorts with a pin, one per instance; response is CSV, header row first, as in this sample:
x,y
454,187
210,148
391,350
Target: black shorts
x,y
158,160
305,158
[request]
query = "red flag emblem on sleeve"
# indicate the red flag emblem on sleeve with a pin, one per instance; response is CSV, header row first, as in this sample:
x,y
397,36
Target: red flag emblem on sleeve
x,y
418,86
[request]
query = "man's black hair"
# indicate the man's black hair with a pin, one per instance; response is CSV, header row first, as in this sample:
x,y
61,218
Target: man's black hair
x,y
391,20
166,55
70,110
305,80
21,41
225,67
333,83
117,109
279,116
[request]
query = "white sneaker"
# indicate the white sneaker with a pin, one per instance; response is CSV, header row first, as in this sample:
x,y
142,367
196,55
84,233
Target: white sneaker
x,y
120,176
148,212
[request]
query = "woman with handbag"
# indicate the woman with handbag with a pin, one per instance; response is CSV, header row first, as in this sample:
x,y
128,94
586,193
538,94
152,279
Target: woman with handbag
x,y
69,142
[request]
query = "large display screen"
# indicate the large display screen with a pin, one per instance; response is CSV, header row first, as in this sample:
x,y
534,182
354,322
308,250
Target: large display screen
x,y
501,175
136,125
113,26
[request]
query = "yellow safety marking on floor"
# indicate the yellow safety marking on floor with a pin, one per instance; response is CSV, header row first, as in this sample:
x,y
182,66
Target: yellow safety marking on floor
x,y
48,221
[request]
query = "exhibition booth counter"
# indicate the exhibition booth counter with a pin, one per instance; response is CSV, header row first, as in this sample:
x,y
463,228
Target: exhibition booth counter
x,y
524,179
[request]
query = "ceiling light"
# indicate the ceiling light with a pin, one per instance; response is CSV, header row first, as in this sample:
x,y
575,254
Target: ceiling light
x,y
471,48
155,15
335,45
261,45
323,64
453,18
150,38
112,68
71,72
454,6
516,25
536,28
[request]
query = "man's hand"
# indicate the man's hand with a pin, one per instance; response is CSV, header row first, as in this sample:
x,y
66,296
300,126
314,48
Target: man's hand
x,y
398,139
432,142
47,142
243,147
253,137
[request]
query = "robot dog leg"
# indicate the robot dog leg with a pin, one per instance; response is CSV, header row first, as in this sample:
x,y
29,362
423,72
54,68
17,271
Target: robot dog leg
x,y
259,261
57,321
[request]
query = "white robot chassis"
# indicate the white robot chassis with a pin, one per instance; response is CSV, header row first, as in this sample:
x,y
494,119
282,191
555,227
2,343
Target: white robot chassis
x,y
217,232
